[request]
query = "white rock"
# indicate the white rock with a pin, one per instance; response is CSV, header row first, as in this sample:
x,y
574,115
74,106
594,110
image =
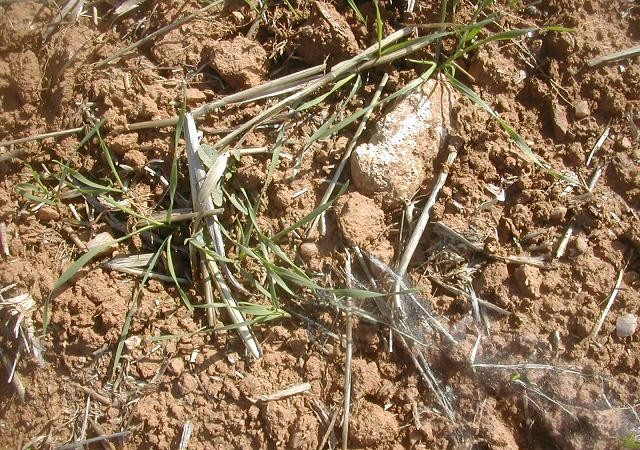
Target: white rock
x,y
626,325
394,163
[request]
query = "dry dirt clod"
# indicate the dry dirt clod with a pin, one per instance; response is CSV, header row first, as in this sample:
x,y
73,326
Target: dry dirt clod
x,y
123,143
25,75
362,223
48,214
326,34
394,163
176,366
186,384
529,280
560,122
240,72
372,425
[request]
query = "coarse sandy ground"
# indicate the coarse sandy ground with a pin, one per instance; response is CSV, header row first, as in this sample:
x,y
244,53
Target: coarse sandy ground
x,y
540,84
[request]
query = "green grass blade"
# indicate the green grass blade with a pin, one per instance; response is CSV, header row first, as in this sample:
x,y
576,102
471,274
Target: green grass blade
x,y
107,155
320,133
379,27
76,267
134,308
355,8
91,133
309,217
173,177
172,272
527,152
323,97
275,159
84,180
27,189
442,19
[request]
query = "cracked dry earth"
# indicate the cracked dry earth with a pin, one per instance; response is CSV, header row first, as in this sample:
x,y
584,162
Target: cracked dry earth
x,y
503,205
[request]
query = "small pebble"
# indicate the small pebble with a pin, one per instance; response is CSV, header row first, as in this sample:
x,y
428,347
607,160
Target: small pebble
x,y
132,342
309,250
582,109
186,384
580,245
625,143
48,214
558,213
626,325
176,366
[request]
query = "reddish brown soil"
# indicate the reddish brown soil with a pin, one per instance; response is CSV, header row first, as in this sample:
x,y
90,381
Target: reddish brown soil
x,y
560,107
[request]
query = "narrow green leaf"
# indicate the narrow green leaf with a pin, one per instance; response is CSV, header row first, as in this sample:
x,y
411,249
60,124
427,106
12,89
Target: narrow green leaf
x,y
107,155
134,308
320,133
379,27
76,267
323,97
173,177
275,159
355,8
309,217
91,133
172,272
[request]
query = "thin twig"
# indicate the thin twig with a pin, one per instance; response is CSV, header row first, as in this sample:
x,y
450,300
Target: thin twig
x,y
603,137
4,239
610,300
346,403
479,248
616,56
78,444
39,137
562,246
15,378
527,366
457,291
284,393
327,433
99,431
412,243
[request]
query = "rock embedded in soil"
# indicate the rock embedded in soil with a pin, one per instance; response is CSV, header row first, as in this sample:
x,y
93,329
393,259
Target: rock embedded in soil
x,y
579,245
241,62
326,35
309,250
626,325
395,162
